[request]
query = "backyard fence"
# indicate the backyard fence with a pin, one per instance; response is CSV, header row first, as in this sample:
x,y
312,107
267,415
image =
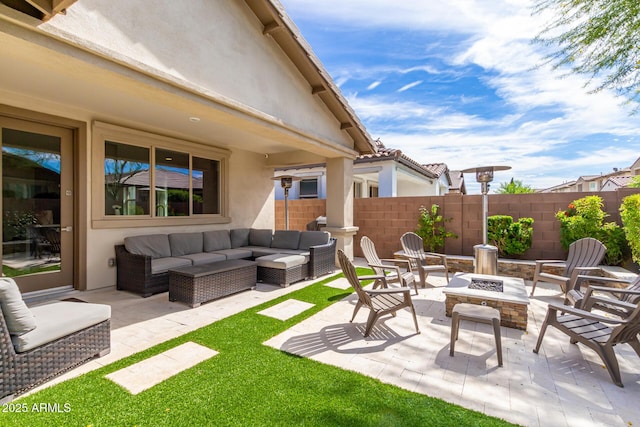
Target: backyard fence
x,y
384,220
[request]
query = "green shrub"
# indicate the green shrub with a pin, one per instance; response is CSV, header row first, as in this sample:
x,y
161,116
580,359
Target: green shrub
x,y
585,218
432,230
630,214
511,238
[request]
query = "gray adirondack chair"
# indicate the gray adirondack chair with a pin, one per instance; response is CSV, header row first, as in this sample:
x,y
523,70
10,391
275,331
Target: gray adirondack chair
x,y
597,332
378,301
382,267
413,248
584,257
605,298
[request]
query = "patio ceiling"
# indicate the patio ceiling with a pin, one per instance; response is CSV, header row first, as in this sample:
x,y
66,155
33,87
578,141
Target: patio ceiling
x,y
85,85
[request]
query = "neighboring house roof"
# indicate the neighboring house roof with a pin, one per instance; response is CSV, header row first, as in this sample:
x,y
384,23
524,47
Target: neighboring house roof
x,y
558,187
439,169
619,181
457,182
286,34
385,153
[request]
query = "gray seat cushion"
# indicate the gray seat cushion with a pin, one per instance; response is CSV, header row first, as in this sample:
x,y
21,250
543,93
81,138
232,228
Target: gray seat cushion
x,y
260,237
59,319
313,238
285,239
153,245
18,317
259,251
239,253
204,257
216,240
185,243
239,237
162,265
280,261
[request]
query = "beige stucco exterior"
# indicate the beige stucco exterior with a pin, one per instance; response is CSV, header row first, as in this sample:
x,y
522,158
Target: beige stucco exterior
x,y
151,67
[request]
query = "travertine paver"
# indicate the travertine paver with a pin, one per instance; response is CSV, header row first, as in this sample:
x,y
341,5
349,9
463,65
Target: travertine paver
x,y
156,369
286,309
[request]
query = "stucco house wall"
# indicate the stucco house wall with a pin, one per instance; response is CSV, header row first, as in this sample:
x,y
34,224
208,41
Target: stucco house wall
x,y
204,72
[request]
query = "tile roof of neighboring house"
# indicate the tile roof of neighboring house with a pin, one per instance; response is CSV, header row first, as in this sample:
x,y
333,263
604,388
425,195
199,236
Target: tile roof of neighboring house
x,y
436,168
621,181
457,182
557,187
385,153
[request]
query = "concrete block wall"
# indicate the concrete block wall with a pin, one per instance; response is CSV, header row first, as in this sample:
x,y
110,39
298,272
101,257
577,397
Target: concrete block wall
x,y
384,220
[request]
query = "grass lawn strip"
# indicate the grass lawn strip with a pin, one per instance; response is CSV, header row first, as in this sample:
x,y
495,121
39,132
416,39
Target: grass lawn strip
x,y
247,383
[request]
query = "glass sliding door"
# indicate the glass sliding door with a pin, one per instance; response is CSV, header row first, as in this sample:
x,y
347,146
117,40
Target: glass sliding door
x,y
37,204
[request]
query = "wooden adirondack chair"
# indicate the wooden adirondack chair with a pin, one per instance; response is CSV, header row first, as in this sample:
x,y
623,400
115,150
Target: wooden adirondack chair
x,y
382,267
413,247
597,332
378,301
584,256
605,298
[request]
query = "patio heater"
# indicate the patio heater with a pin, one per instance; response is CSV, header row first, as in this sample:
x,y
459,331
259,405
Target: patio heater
x,y
286,181
486,256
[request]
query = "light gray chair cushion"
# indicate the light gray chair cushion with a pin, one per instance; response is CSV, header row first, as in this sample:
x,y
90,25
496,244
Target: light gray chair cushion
x,y
161,265
216,240
313,238
260,237
280,261
239,237
285,239
18,317
235,253
204,257
59,319
259,251
185,243
153,245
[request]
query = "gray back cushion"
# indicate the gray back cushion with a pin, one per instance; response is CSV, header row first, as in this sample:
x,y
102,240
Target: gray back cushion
x,y
313,238
18,317
153,245
185,243
239,237
285,239
260,237
216,240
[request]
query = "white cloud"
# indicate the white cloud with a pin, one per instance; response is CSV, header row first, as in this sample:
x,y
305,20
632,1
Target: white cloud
x,y
410,85
374,85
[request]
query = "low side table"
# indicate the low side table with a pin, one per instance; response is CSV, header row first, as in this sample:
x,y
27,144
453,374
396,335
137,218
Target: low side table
x,y
196,284
512,302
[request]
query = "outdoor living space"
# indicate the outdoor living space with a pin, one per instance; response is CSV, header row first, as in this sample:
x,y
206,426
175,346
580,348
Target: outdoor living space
x,y
563,385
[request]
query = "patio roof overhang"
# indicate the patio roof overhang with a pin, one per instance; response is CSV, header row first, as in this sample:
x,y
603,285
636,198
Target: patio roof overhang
x,y
80,81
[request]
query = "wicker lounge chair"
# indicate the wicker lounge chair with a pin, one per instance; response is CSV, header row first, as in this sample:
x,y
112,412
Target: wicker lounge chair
x,y
40,343
382,267
413,247
597,332
378,301
584,257
605,298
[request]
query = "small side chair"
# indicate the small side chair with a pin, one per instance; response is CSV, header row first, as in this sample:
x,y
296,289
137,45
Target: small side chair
x,y
382,267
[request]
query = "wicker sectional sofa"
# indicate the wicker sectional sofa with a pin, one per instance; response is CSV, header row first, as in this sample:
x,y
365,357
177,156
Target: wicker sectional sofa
x,y
143,262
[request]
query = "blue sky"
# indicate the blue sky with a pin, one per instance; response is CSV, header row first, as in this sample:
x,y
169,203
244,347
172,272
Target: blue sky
x,y
459,82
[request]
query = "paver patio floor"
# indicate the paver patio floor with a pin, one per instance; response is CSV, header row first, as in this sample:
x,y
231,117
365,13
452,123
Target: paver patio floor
x,y
563,385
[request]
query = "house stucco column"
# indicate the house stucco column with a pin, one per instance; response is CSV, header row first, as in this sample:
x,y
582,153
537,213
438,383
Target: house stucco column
x,y
388,181
340,203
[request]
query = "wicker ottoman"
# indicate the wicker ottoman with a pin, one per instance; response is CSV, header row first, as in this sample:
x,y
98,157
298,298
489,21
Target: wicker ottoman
x,y
281,269
201,283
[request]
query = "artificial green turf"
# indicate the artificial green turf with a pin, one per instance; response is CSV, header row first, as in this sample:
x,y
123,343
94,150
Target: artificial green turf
x,y
246,384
